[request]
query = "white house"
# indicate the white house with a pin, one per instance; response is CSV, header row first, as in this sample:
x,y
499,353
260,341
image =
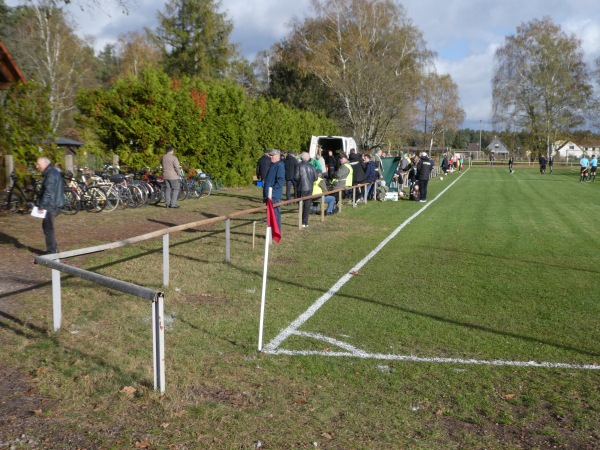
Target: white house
x,y
568,150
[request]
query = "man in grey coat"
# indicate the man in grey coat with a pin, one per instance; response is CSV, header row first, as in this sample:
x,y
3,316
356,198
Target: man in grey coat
x,y
171,175
305,176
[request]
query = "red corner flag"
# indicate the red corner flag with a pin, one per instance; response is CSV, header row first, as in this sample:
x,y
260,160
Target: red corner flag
x,y
272,221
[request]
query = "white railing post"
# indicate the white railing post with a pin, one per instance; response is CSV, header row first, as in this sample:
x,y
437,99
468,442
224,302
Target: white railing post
x,y
165,259
56,299
227,240
158,337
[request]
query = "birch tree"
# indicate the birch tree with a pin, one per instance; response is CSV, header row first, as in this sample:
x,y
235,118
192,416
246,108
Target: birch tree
x,y
540,82
50,53
439,106
370,55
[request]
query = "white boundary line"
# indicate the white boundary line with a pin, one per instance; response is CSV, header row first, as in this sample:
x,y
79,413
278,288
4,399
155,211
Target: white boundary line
x,y
273,346
284,334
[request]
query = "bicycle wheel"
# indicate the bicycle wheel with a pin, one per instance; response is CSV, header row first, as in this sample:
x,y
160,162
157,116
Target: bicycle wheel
x,y
206,188
16,202
72,202
184,191
136,199
95,200
124,196
112,198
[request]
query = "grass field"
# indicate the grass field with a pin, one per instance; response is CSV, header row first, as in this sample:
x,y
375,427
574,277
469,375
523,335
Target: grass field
x,y
477,325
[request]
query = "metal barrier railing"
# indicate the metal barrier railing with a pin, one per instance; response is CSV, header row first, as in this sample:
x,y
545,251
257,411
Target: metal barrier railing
x,y
155,296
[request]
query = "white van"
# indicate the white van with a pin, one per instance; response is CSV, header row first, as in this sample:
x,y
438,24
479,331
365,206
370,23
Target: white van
x,y
336,143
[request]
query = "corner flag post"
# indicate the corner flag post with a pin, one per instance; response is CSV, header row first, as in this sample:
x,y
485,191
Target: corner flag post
x,y
264,282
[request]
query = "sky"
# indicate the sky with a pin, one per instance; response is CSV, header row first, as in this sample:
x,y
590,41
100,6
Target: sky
x,y
463,33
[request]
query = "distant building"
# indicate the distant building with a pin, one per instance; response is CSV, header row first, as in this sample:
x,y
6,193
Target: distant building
x,y
568,150
498,148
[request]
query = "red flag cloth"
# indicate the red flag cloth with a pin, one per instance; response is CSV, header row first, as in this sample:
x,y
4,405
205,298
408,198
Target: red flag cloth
x,y
272,221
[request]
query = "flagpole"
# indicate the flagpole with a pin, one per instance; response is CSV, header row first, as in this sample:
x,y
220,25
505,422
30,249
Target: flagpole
x,y
264,284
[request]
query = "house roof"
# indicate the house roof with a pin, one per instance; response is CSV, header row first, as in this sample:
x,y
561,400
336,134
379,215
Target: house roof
x,y
496,146
9,71
64,142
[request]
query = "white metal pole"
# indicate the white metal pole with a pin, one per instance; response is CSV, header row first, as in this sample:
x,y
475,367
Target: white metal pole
x,y
228,240
264,283
158,335
264,290
56,299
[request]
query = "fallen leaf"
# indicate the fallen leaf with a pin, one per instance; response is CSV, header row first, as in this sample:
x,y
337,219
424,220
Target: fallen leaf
x,y
354,273
326,349
508,396
326,436
128,390
164,425
439,412
142,444
37,412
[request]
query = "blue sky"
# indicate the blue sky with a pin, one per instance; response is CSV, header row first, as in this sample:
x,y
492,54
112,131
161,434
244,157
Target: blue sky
x,y
464,33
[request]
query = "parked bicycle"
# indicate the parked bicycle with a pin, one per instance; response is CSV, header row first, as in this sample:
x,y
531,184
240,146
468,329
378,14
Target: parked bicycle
x,y
20,199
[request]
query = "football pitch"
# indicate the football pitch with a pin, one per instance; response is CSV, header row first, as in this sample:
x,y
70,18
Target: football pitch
x,y
495,269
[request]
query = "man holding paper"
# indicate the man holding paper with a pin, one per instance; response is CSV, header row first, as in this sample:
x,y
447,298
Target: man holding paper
x,y
52,198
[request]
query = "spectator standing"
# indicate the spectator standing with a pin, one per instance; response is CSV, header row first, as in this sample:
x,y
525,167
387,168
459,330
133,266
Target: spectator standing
x,y
52,198
290,163
358,175
171,175
371,176
423,172
378,162
262,166
511,161
551,163
321,160
332,164
305,177
275,179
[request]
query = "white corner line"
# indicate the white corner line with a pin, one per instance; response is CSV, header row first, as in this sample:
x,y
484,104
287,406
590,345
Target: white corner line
x,y
285,333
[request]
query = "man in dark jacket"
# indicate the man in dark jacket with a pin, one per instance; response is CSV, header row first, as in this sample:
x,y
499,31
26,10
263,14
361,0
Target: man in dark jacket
x,y
358,175
290,162
52,198
262,167
305,176
275,179
424,168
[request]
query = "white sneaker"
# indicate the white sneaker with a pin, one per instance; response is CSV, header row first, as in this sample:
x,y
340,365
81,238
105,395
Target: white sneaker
x,y
304,226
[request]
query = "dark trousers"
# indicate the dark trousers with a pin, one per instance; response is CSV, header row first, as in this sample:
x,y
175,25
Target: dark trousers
x,y
172,192
423,188
306,204
48,228
277,211
288,189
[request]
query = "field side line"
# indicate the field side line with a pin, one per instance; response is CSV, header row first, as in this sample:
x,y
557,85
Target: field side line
x,y
284,334
481,362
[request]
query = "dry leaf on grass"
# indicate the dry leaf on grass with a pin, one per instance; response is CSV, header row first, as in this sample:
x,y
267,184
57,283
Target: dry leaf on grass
x,y
508,396
355,273
142,444
128,390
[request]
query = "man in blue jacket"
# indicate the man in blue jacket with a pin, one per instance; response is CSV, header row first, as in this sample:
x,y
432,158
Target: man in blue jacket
x,y
51,200
275,179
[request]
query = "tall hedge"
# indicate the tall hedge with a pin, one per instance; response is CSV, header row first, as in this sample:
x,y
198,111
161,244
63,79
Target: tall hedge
x,y
213,125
